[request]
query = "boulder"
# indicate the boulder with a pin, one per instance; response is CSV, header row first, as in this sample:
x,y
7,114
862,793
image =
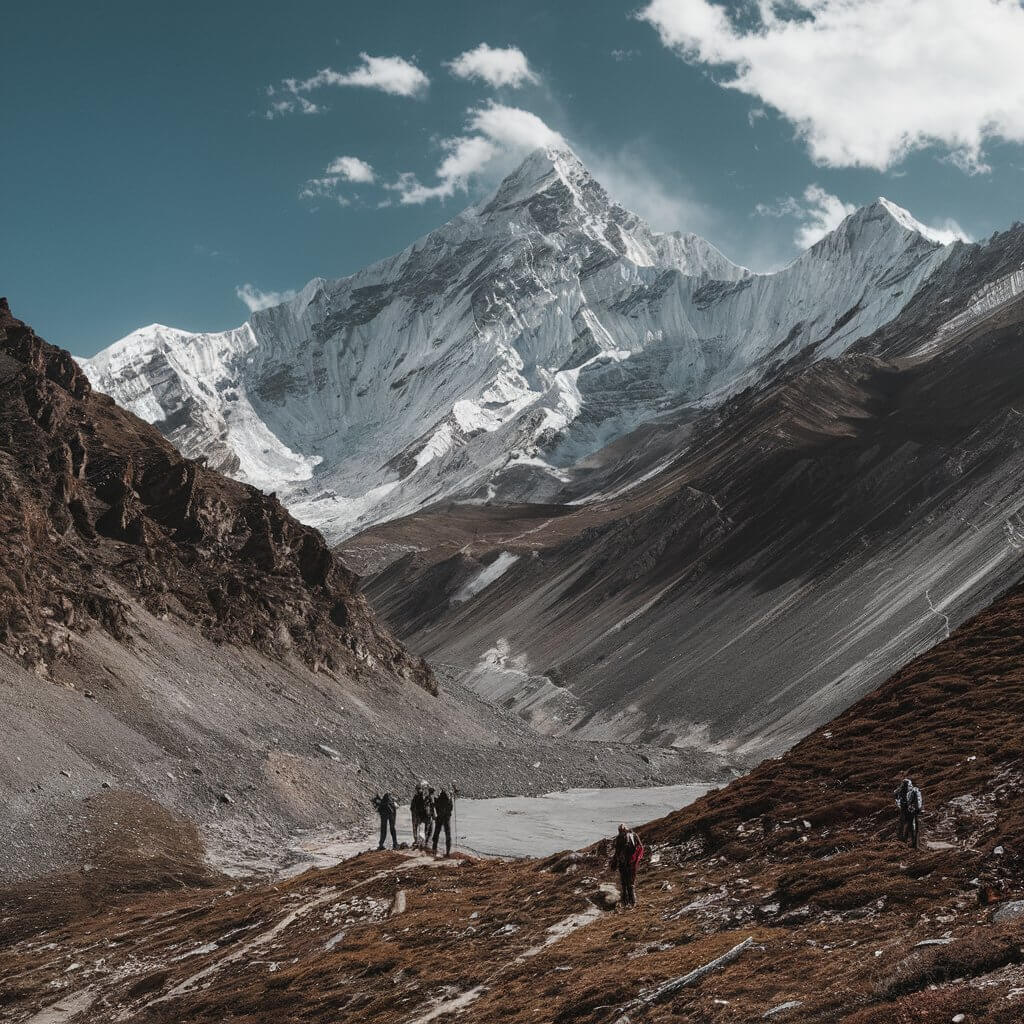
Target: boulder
x,y
1009,911
606,896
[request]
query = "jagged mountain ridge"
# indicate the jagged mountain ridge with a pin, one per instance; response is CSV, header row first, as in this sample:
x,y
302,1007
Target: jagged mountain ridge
x,y
738,578
492,356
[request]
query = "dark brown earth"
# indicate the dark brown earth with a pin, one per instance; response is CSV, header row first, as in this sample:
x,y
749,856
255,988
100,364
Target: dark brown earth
x,y
745,573
848,925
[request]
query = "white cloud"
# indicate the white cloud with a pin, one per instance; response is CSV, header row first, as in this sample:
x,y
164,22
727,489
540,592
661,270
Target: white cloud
x,y
324,188
257,300
865,82
513,128
290,106
945,232
341,168
823,213
820,213
351,168
496,66
393,75
496,137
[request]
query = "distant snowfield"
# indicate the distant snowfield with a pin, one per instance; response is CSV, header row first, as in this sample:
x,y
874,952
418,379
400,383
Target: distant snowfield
x,y
536,826
511,826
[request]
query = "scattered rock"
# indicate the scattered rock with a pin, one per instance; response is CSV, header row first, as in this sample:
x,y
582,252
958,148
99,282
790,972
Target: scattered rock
x,y
1009,911
225,798
775,1011
397,904
328,751
606,896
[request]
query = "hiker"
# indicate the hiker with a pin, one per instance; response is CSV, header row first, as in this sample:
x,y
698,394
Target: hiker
x,y
910,804
626,856
420,817
443,807
430,800
386,807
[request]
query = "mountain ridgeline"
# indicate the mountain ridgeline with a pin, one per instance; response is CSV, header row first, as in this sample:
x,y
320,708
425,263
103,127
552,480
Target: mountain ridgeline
x,y
618,484
492,356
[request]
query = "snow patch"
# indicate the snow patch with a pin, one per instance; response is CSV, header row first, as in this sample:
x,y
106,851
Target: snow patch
x,y
485,577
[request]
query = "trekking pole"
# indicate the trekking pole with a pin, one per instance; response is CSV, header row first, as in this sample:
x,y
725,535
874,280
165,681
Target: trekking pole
x,y
455,812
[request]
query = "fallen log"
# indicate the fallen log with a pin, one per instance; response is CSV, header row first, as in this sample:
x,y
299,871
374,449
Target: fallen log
x,y
684,981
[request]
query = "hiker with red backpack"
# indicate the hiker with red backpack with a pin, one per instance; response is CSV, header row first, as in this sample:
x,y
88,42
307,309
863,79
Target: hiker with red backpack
x,y
627,853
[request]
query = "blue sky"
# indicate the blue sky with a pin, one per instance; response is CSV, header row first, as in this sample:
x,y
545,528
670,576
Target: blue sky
x,y
149,175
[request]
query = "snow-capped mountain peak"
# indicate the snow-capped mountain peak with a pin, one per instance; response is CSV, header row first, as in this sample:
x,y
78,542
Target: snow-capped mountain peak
x,y
541,168
494,353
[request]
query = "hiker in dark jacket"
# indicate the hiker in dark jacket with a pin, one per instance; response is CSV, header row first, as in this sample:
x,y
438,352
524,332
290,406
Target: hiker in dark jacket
x,y
626,855
420,817
386,807
910,803
443,807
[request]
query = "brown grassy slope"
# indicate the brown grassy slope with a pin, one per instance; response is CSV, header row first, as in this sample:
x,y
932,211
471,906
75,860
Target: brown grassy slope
x,y
97,510
800,856
951,719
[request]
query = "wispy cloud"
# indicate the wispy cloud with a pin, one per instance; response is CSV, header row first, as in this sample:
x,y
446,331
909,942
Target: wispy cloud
x,y
341,169
256,300
642,186
866,82
291,105
351,168
495,136
496,66
395,76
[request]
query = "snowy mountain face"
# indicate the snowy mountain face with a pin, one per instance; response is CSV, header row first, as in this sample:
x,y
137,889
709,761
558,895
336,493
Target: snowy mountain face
x,y
490,357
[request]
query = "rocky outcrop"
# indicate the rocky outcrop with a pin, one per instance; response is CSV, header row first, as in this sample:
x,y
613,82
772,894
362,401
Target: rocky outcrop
x,y
102,518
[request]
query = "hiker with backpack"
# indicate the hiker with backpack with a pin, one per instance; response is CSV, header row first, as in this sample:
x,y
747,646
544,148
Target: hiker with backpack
x,y
420,816
443,807
627,853
910,804
386,807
